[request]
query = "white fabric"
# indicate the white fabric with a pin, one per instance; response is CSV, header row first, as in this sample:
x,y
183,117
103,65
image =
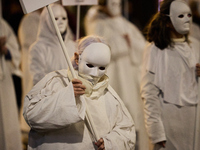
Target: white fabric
x,y
94,60
181,16
127,44
94,91
46,54
164,120
28,26
96,103
174,70
56,117
13,47
10,137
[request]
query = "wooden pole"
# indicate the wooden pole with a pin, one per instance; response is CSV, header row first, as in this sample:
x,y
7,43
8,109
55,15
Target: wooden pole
x,y
78,22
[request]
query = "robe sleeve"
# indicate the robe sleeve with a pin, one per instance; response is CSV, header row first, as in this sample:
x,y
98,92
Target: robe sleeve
x,y
122,136
152,108
13,47
51,106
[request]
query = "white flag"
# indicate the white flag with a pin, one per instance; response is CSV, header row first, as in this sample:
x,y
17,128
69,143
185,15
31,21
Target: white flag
x,y
32,5
79,2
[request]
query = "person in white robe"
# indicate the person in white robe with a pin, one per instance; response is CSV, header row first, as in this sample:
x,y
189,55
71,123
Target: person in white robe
x,y
195,27
45,54
169,85
27,34
10,137
56,113
127,45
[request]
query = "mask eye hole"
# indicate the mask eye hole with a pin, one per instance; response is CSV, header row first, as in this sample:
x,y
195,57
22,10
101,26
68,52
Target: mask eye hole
x,y
56,18
90,65
102,68
189,15
64,18
181,16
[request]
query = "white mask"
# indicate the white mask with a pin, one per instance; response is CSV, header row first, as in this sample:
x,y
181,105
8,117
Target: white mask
x,y
180,15
114,7
61,18
94,60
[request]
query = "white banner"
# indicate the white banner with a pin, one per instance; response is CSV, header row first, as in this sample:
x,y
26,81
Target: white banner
x,y
79,2
32,5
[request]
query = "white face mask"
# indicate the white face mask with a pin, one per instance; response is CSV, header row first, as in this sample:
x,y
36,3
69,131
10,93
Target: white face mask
x,y
180,15
61,19
114,7
94,60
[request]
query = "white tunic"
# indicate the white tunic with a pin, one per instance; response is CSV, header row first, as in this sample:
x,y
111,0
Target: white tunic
x,y
127,45
57,119
166,118
10,137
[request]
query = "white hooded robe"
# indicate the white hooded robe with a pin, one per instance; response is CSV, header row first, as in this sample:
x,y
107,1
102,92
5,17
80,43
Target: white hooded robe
x,y
57,118
45,54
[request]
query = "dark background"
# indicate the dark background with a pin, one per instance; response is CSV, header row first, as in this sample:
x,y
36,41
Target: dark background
x,y
139,12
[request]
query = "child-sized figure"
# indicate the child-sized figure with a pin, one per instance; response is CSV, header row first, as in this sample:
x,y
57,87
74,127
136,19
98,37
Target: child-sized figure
x,y
169,83
56,114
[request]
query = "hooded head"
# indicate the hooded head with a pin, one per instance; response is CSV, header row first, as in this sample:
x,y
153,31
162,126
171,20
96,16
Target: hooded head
x,y
46,28
92,58
114,7
111,7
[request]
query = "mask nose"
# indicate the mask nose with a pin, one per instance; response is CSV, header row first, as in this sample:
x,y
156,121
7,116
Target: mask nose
x,y
95,72
188,19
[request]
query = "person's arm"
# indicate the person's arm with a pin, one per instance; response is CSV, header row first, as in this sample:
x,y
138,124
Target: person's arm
x,y
152,108
51,106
